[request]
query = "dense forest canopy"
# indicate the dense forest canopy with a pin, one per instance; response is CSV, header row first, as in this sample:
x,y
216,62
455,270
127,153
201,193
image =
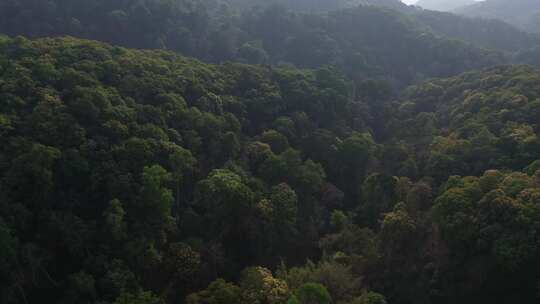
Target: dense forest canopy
x,y
122,157
308,152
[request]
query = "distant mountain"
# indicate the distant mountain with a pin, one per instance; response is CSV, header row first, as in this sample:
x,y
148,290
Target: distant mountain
x,y
394,4
316,5
365,41
489,33
443,5
524,14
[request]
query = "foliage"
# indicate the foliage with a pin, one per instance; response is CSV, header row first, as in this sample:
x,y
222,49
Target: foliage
x,y
304,33
131,176
313,293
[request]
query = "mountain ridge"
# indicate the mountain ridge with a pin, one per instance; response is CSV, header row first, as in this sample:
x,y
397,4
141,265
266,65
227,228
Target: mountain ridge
x,y
443,5
524,14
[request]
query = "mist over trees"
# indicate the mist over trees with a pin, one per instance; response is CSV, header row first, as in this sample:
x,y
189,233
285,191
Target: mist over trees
x,y
524,14
255,152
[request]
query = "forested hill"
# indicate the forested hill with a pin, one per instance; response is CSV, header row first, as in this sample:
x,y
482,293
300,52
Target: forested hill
x,y
364,41
144,177
488,33
472,122
312,5
524,14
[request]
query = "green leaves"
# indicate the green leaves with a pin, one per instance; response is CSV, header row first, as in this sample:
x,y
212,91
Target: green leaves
x,y
152,214
260,287
370,298
496,222
137,176
313,293
218,292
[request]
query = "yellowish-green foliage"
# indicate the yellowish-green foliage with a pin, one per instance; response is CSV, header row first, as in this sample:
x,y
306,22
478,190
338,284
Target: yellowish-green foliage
x,y
259,286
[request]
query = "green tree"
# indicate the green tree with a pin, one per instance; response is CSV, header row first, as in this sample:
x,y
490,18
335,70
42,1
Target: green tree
x,y
260,287
276,140
379,195
218,292
153,217
354,154
182,164
284,205
114,217
313,293
370,297
31,176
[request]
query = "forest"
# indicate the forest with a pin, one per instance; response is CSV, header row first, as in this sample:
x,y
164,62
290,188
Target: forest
x,y
292,152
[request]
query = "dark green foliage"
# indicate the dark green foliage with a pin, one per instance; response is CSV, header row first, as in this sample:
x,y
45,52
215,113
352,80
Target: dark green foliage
x,y
304,33
218,292
370,298
136,175
145,177
478,121
313,293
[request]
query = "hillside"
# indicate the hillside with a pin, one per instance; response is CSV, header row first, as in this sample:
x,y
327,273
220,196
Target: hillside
x,y
131,176
365,41
524,14
489,33
269,152
477,121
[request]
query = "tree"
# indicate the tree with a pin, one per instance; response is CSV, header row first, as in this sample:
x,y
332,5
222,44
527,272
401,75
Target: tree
x,y
313,293
293,300
179,266
182,164
354,154
398,231
30,178
218,292
284,205
276,140
182,262
379,195
533,168
370,297
260,287
114,217
455,215
223,196
153,215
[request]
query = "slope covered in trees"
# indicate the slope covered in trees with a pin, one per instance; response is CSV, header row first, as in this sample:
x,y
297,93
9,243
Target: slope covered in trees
x,y
145,177
365,41
489,33
524,14
473,122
